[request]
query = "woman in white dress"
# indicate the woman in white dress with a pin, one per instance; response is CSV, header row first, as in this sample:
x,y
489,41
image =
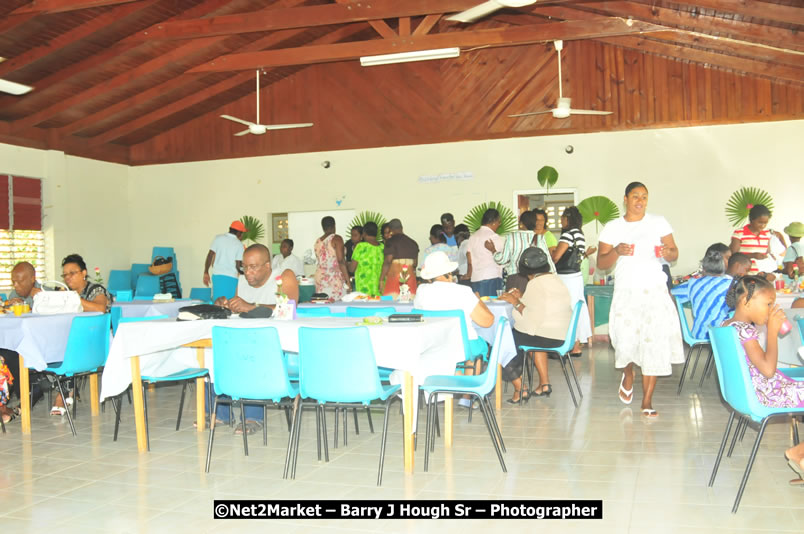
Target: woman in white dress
x,y
643,322
568,257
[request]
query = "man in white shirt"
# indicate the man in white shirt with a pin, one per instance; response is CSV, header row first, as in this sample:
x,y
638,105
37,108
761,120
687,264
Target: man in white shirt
x,y
225,257
287,260
258,287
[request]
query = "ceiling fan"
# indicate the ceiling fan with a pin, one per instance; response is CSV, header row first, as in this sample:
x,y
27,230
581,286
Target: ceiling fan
x,y
562,109
13,88
258,129
486,8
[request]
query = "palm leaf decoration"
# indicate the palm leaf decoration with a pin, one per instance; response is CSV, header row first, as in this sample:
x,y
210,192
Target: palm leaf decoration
x,y
743,200
369,216
507,219
547,177
599,209
255,230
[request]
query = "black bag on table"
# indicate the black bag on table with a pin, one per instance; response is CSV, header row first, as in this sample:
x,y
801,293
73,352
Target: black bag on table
x,y
203,311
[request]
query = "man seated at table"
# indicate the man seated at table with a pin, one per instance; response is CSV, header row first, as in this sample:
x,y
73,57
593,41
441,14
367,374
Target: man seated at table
x,y
287,260
25,286
256,288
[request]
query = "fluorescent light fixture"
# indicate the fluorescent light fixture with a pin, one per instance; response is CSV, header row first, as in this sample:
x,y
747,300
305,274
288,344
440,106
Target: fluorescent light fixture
x,y
405,57
13,87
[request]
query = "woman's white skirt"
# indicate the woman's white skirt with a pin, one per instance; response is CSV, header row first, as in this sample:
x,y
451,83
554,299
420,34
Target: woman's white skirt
x,y
644,329
574,283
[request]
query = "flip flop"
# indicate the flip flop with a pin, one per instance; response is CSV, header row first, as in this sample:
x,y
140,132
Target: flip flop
x,y
795,466
626,392
650,413
251,428
797,482
58,410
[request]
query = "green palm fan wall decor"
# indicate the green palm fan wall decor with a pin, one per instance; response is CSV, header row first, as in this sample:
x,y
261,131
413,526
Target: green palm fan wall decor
x,y
507,219
547,177
369,216
255,230
599,209
741,202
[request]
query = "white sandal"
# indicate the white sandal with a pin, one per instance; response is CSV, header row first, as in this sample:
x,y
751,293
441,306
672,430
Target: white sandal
x,y
58,410
626,392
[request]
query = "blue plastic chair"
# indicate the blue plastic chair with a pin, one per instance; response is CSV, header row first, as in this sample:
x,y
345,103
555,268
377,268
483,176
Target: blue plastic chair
x,y
358,311
119,280
3,297
147,286
337,365
123,295
738,391
201,293
322,311
478,386
85,354
693,343
136,270
561,351
250,368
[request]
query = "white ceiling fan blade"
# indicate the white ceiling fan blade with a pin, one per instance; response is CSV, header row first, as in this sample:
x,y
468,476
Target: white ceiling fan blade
x,y
589,112
235,119
244,132
477,12
14,88
532,113
287,126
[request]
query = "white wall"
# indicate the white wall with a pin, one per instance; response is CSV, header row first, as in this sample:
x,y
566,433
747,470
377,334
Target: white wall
x,y
84,203
690,172
114,214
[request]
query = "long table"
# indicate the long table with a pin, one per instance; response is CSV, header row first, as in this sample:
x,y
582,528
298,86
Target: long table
x,y
152,308
418,350
40,340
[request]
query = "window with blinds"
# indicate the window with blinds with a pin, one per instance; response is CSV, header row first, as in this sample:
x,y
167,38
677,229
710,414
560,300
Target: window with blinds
x,y
21,236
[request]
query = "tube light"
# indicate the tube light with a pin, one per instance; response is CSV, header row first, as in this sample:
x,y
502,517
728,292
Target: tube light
x,y
405,57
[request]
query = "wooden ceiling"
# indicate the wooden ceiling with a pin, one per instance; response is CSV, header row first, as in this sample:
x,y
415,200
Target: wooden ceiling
x,y
144,81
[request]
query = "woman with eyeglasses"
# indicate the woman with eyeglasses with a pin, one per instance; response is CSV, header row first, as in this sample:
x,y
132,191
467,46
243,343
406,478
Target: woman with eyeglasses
x,y
94,297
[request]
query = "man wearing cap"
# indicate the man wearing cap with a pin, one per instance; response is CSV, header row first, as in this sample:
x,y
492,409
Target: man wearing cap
x,y
225,257
794,255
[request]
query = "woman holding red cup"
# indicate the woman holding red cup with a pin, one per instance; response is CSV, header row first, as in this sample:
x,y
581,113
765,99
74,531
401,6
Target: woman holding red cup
x,y
643,322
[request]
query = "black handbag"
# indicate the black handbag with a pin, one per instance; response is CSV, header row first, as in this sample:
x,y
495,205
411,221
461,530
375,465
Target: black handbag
x,y
203,311
570,261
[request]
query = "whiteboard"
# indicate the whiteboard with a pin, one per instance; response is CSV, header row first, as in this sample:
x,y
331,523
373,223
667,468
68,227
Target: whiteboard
x,y
304,227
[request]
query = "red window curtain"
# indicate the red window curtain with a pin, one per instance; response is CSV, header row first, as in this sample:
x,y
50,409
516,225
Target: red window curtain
x,y
5,222
27,203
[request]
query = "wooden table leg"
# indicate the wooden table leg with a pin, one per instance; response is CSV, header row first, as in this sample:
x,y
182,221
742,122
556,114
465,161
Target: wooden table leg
x,y
407,407
25,397
139,411
590,303
200,394
94,397
498,389
448,413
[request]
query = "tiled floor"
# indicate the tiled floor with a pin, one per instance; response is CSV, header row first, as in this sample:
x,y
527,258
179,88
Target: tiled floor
x,y
651,475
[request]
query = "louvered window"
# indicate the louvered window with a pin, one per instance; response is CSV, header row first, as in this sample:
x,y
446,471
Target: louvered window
x,y
21,237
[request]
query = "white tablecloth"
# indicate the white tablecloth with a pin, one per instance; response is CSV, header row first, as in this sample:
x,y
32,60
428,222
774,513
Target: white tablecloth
x,y
152,308
40,339
498,308
423,349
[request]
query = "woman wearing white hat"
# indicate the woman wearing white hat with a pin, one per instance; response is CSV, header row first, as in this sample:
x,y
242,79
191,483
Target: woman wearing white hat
x,y
443,294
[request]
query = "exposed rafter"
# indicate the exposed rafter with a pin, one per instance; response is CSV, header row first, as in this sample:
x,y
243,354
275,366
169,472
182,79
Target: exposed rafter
x,y
60,6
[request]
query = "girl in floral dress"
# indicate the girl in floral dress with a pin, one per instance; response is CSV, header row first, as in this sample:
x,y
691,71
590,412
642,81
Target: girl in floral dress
x,y
754,300
5,381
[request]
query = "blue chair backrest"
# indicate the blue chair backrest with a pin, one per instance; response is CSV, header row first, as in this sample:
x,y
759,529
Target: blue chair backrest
x,y
119,279
123,295
732,371
686,333
201,293
800,322
147,286
87,344
569,341
3,296
313,312
116,315
356,311
450,313
248,363
136,270
337,365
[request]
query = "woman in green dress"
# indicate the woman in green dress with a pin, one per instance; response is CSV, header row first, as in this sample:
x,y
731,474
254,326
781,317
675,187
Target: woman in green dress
x,y
366,263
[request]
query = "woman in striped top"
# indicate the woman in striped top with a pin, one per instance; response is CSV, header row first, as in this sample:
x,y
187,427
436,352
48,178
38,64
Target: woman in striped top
x,y
753,240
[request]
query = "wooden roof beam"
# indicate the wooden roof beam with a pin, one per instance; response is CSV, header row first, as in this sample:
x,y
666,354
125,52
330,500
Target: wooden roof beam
x,y
61,6
707,58
301,17
751,9
514,35
184,103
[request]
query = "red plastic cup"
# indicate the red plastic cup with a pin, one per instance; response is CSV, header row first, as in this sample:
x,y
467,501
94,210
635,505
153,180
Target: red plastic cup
x,y
633,249
658,250
786,327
